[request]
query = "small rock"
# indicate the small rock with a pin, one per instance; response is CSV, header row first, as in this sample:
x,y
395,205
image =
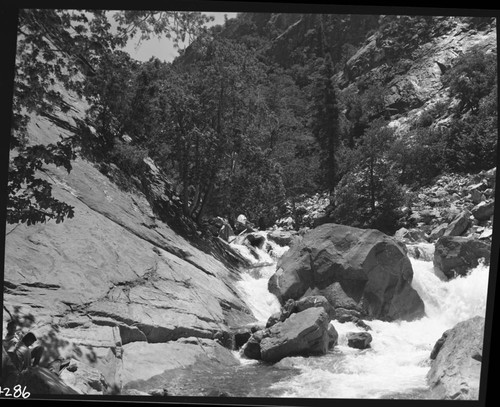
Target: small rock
x,y
359,340
159,393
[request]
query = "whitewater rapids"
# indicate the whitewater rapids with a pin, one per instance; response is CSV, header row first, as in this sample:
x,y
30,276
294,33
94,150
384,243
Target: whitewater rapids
x,y
397,363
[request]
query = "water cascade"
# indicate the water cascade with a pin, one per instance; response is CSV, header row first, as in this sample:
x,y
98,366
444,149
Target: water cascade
x,y
397,363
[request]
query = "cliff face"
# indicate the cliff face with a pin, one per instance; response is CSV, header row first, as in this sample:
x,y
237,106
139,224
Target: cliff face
x,y
405,55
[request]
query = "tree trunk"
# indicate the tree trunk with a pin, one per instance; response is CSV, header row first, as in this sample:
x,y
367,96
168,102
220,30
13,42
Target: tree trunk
x,y
372,186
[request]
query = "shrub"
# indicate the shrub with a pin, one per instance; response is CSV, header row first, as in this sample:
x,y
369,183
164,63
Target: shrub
x,y
419,155
472,77
129,158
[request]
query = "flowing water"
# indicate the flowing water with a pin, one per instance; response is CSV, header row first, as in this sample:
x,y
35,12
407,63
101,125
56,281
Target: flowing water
x,y
396,364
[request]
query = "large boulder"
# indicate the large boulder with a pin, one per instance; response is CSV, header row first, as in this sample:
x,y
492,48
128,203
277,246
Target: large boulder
x,y
362,272
456,255
459,225
484,210
303,333
456,367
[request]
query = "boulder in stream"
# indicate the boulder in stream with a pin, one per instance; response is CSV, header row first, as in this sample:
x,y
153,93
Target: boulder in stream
x,y
304,333
456,255
361,272
359,340
456,369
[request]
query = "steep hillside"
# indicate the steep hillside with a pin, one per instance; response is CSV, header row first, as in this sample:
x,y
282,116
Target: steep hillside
x,y
113,275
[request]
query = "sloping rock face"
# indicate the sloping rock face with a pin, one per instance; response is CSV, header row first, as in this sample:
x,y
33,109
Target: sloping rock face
x,y
146,365
414,80
455,371
113,275
361,272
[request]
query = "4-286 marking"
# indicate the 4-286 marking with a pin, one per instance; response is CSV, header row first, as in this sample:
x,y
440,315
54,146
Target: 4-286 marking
x,y
16,392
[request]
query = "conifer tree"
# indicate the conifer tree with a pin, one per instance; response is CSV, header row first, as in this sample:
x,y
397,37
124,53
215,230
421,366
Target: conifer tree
x,y
325,121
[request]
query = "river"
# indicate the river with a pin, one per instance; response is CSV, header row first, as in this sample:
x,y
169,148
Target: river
x,y
396,364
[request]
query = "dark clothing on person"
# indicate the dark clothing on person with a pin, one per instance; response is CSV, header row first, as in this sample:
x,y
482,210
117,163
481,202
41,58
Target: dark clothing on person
x,y
22,356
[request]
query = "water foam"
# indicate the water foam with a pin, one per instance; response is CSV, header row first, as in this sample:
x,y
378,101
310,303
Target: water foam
x,y
398,360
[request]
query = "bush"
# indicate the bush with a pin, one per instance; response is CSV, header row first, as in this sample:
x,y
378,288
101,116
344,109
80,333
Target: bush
x,y
129,158
472,77
471,143
419,156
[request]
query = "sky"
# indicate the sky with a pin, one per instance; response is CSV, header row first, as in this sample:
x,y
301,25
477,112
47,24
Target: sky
x,y
163,48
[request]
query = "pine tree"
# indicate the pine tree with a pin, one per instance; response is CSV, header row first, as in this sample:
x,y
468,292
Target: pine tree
x,y
325,121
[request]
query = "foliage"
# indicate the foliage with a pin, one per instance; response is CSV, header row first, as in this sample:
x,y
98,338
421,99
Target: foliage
x,y
249,116
30,198
56,50
325,121
419,155
472,141
177,25
471,78
129,158
109,95
369,195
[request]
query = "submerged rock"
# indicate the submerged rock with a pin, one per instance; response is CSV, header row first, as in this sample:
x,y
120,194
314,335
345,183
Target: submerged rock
x,y
456,369
361,272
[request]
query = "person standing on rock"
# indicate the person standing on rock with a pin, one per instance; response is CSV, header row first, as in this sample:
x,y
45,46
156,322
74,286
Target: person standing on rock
x,y
243,225
24,356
